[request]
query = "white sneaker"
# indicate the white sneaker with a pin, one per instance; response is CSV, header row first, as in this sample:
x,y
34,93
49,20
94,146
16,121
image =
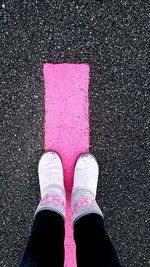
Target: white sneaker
x,y
84,189
86,173
50,171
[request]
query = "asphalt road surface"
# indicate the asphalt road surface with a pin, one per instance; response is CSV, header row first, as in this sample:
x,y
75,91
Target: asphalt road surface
x,y
114,38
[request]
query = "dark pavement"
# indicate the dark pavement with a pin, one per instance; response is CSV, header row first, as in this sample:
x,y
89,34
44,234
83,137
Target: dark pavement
x,y
114,38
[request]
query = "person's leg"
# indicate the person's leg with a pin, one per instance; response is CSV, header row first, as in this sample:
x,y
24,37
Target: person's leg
x,y
46,242
93,245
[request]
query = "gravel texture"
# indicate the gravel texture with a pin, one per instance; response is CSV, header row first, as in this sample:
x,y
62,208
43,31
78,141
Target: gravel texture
x,y
114,38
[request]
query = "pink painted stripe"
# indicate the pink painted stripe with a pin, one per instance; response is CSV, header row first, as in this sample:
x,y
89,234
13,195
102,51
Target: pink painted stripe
x,y
67,126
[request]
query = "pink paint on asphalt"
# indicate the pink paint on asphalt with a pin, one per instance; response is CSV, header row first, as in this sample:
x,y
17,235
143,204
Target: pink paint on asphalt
x,y
67,126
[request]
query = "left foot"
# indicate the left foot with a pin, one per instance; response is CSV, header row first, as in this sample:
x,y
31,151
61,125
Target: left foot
x,y
50,171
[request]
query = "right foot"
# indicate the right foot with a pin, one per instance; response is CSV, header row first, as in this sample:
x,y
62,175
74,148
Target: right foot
x,y
86,174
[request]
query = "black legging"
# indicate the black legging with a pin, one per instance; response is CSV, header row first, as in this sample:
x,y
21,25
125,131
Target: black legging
x,y
45,247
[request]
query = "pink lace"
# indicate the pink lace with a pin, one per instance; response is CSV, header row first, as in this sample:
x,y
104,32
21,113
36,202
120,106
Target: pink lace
x,y
83,203
55,199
